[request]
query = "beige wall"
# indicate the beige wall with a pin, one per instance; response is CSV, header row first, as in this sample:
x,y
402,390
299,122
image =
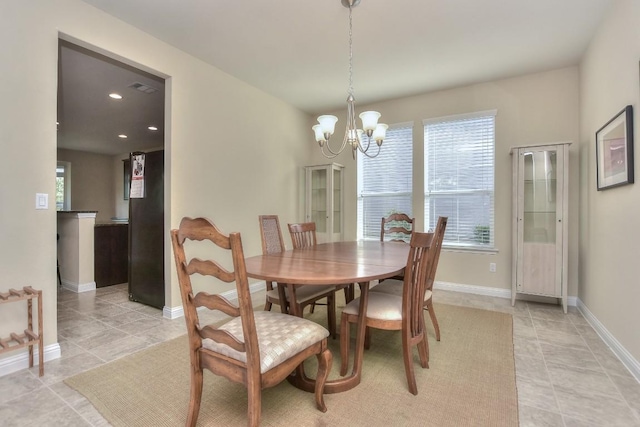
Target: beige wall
x,y
609,247
233,152
92,182
536,108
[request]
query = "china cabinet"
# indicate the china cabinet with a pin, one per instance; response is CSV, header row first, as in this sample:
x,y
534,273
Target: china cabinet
x,y
540,214
324,200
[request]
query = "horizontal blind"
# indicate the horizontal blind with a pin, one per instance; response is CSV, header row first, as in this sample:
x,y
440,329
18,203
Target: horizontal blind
x,y
459,177
385,183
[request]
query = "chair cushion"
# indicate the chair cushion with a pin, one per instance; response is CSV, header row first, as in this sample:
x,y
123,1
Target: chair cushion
x,y
381,306
280,336
394,287
304,292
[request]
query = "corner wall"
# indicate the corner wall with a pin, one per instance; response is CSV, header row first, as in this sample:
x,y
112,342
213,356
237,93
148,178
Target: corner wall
x,y
609,244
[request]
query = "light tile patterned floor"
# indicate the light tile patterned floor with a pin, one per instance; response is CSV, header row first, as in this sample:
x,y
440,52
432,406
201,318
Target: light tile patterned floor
x,y
566,375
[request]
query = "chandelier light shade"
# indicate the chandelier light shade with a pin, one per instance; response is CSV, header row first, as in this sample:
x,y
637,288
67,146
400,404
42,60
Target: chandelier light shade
x,y
357,139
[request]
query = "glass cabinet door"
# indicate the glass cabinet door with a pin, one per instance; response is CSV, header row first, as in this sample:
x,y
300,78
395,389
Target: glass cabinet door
x,y
539,217
323,203
539,221
319,199
337,200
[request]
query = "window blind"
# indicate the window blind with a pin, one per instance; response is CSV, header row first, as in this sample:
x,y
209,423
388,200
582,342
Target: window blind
x,y
385,183
459,177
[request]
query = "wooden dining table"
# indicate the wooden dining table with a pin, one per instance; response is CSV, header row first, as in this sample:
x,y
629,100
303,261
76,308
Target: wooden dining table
x,y
332,264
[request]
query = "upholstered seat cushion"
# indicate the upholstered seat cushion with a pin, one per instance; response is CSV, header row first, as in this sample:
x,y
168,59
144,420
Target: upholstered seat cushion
x,y
280,336
394,287
304,292
381,306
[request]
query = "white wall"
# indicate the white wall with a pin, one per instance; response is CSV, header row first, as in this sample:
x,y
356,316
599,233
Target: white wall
x,y
233,152
610,238
536,108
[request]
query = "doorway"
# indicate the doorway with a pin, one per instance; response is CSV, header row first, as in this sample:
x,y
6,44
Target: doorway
x,y
106,110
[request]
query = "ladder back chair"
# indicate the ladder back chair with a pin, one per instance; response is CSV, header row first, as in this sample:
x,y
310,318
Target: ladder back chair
x,y
256,349
305,295
393,288
303,235
398,313
397,227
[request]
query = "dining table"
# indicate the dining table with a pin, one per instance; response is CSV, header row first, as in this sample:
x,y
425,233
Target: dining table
x,y
337,263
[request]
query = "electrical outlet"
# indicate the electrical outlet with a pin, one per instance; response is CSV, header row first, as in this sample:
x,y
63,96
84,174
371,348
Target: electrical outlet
x,y
492,267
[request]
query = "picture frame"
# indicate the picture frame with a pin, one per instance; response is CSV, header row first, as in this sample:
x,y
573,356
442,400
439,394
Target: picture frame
x,y
614,151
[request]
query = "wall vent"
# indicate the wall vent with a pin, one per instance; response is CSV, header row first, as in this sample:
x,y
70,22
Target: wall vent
x,y
143,88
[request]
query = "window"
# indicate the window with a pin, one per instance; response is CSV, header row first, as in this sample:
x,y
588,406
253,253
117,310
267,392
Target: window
x,y
63,186
385,182
459,177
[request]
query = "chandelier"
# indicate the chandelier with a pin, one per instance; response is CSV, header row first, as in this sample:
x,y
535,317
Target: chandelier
x,y
371,129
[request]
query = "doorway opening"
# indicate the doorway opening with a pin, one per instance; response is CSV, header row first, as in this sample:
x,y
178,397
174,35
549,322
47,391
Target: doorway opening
x,y
106,110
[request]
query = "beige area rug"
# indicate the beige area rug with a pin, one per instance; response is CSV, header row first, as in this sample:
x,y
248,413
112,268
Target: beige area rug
x,y
470,382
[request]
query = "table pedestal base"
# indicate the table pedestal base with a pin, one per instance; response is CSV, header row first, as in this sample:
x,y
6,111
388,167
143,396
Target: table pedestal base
x,y
300,380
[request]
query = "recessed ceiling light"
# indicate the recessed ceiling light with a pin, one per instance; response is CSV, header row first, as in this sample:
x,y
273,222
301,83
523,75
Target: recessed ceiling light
x,y
123,136
115,96
152,128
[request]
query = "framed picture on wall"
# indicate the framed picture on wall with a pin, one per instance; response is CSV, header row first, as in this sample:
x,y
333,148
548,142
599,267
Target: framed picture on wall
x,y
614,151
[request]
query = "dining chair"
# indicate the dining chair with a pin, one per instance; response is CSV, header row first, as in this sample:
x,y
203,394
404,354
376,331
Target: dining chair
x,y
303,235
395,288
257,349
392,312
396,227
305,295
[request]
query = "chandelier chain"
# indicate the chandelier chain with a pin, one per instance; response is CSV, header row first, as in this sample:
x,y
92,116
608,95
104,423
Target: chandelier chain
x,y
350,52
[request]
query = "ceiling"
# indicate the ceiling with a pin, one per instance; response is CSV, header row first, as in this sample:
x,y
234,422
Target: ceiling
x,y
89,120
297,50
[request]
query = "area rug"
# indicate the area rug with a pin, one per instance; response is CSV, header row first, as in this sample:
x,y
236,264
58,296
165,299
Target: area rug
x,y
470,382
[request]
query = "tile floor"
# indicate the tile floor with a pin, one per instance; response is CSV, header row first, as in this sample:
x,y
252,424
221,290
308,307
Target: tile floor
x,y
566,375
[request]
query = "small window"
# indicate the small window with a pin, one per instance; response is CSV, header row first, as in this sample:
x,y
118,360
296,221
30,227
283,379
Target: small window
x,y
63,186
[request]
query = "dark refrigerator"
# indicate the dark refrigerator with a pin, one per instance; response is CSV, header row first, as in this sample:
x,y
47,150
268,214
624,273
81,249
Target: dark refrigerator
x,y
146,229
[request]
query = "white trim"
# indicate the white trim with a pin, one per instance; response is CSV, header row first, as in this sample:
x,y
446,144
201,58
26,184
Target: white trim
x,y
172,312
78,287
625,357
231,295
473,289
485,290
20,361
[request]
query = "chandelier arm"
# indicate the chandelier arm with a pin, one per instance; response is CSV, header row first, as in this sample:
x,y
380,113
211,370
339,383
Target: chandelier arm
x,y
361,148
335,153
331,154
366,153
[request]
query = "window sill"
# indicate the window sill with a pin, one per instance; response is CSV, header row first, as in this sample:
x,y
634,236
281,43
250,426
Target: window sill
x,y
469,249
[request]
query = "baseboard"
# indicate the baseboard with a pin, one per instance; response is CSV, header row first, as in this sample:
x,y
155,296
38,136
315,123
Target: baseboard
x,y
625,357
485,290
78,287
178,311
20,361
473,289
